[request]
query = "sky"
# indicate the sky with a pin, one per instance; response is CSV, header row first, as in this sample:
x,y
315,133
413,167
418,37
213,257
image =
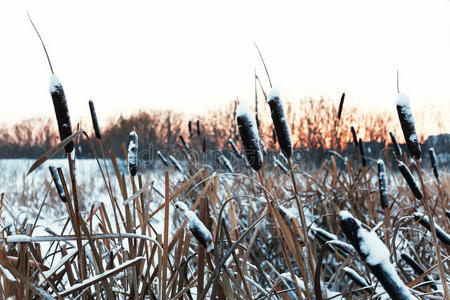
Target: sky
x,y
195,56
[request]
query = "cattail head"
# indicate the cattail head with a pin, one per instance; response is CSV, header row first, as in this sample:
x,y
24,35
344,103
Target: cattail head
x,y
447,213
234,147
226,163
362,153
408,126
274,136
204,145
176,163
355,138
61,111
163,159
249,136
341,105
190,128
382,184
133,153
197,228
58,184
397,149
280,165
434,163
280,123
94,120
198,128
412,183
185,145
425,222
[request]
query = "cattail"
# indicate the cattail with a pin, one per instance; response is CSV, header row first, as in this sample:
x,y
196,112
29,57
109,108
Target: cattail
x,y
249,136
163,159
224,160
280,123
133,153
176,163
274,136
61,111
357,279
185,145
375,254
397,149
190,129
341,105
382,184
204,145
263,146
417,268
234,147
94,120
434,163
425,222
447,213
280,164
362,153
198,128
58,184
408,126
355,138
410,180
197,228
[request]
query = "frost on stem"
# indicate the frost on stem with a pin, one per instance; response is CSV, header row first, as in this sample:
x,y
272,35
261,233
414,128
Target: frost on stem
x,y
408,126
61,111
280,164
249,136
163,159
397,149
176,163
224,161
434,163
234,147
375,255
280,123
58,184
94,120
132,153
382,184
425,222
412,183
197,228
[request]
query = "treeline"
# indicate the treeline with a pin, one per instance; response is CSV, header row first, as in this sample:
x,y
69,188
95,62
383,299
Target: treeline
x,y
315,129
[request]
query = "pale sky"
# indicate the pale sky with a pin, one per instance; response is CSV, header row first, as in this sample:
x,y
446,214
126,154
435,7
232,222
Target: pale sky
x,y
193,56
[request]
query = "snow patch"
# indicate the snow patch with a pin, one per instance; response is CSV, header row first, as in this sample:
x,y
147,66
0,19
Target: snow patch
x,y
243,110
402,100
373,247
54,84
273,94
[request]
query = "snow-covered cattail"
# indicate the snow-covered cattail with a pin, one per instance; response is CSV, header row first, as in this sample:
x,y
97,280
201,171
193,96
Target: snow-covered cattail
x,y
185,145
280,123
362,153
355,138
357,279
58,184
408,126
249,136
280,164
94,120
163,159
224,160
198,128
382,184
447,213
190,128
234,147
397,149
434,163
412,183
375,254
425,222
341,105
61,111
197,228
133,153
417,268
176,163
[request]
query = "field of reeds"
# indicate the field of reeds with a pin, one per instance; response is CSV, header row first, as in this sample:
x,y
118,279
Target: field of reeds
x,y
249,223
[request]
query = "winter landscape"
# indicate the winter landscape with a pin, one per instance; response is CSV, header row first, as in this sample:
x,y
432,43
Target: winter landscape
x,y
264,197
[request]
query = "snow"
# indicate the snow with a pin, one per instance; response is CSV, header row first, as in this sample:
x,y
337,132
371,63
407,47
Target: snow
x,y
243,110
132,148
273,94
54,84
20,238
61,262
372,247
344,214
402,100
7,274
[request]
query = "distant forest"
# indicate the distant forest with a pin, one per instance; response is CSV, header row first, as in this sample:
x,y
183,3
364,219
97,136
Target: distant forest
x,y
315,129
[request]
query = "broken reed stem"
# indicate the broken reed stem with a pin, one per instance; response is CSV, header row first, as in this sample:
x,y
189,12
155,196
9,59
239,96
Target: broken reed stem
x,y
433,232
77,228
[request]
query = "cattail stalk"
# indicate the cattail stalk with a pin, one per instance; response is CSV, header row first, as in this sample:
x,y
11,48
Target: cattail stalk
x,y
249,136
280,123
397,149
94,120
280,164
412,183
58,184
133,153
434,163
185,145
362,153
408,126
